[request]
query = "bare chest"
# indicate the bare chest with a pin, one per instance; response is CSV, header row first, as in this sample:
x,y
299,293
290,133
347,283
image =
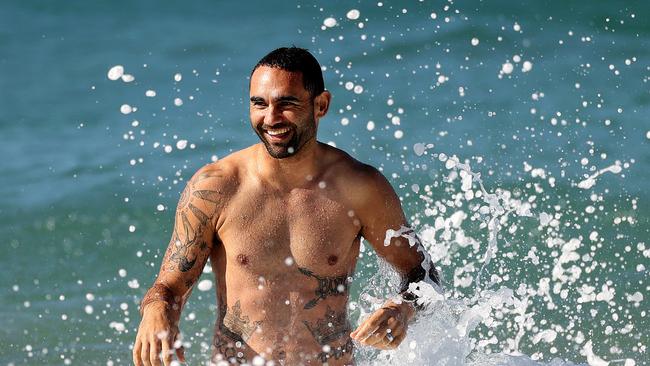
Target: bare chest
x,y
305,227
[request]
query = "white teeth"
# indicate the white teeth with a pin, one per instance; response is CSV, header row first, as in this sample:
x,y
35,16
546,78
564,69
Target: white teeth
x,y
277,132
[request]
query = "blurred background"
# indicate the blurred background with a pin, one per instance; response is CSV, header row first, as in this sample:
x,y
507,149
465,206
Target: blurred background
x,y
547,101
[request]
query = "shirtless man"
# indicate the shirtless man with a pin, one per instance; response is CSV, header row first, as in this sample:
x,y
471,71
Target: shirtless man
x,y
281,223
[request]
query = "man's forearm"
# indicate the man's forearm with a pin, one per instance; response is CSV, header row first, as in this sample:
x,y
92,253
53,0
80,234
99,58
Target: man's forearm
x,y
161,293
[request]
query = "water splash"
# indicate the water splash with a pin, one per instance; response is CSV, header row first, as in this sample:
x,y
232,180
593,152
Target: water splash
x,y
447,331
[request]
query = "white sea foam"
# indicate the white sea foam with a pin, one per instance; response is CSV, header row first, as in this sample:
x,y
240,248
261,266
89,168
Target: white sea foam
x,y
445,332
591,180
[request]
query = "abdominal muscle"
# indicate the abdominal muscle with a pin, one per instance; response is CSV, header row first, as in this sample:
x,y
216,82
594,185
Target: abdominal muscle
x,y
283,318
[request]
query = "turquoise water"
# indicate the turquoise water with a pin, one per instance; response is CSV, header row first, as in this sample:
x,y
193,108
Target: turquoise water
x,y
86,209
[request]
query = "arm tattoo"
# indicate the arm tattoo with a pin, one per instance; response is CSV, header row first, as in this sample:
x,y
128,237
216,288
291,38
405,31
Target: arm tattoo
x,y
329,330
180,248
160,292
327,286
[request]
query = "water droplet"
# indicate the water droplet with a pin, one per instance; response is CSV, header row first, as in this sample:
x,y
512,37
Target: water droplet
x,y
353,14
507,68
115,72
329,22
204,285
126,109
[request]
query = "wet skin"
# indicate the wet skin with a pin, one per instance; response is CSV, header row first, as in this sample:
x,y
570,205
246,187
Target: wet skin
x,y
281,223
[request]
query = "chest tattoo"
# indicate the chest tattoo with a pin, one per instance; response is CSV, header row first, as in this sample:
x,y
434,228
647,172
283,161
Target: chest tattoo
x,y
327,286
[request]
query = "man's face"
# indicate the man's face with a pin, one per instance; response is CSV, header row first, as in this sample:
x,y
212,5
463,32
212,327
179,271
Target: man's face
x,y
281,111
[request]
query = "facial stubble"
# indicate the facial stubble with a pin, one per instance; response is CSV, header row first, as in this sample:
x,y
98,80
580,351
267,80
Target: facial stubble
x,y
298,140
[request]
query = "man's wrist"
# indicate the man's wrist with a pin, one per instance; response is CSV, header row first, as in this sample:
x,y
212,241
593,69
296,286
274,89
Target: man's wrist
x,y
411,310
156,305
405,307
160,295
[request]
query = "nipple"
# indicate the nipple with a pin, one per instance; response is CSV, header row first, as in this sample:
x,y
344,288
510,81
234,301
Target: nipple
x,y
242,259
332,259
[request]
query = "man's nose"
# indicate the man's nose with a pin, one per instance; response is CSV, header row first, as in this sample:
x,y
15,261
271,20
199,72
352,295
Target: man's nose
x,y
273,115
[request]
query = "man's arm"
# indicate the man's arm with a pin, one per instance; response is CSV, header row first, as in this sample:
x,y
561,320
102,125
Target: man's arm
x,y
189,248
385,227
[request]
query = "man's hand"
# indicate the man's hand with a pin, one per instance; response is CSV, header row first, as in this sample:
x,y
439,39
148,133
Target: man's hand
x,y
156,337
385,328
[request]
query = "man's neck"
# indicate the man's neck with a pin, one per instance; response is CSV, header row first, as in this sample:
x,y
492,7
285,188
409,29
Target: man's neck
x,y
293,171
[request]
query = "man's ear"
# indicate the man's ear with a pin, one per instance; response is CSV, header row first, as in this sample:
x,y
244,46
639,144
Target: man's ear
x,y
322,103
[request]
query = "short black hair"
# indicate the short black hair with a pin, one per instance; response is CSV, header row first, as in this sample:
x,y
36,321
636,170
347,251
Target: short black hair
x,y
296,59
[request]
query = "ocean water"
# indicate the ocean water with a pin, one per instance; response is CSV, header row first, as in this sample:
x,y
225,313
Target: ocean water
x,y
516,133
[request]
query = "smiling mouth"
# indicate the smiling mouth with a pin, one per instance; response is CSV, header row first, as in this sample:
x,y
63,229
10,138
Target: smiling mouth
x,y
278,134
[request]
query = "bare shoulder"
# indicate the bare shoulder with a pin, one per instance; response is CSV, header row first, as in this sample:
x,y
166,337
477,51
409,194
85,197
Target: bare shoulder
x,y
358,181
219,175
369,194
218,178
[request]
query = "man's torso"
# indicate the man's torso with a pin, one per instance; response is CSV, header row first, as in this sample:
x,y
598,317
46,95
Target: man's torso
x,y
283,264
